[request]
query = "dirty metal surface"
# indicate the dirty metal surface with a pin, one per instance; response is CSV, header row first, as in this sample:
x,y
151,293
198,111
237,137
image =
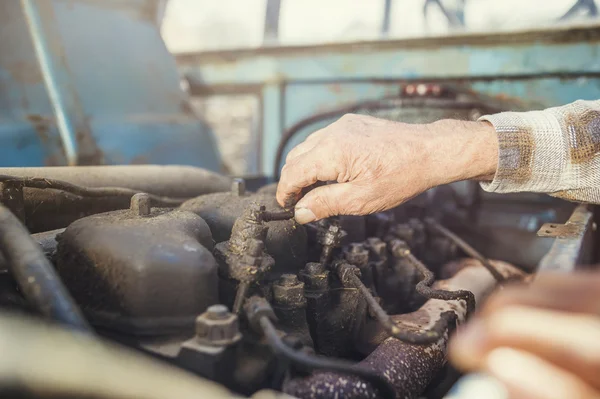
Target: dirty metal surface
x,y
569,249
118,89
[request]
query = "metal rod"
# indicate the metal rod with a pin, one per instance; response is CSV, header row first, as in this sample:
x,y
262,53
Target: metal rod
x,y
469,250
418,338
240,296
95,192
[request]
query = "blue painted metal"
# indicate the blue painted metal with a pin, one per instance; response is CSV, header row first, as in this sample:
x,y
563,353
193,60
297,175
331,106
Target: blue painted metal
x,y
91,81
539,68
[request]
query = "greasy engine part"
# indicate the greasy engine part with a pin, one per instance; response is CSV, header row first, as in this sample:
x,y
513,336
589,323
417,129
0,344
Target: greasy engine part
x,y
286,240
140,271
408,367
242,259
48,209
144,275
260,316
35,275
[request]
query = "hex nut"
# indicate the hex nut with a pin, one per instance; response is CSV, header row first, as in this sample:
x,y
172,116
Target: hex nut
x,y
217,327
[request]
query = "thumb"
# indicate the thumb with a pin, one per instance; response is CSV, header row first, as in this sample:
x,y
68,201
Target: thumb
x,y
329,200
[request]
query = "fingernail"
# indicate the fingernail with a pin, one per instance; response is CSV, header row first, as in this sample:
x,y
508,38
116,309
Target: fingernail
x,y
304,215
467,347
477,386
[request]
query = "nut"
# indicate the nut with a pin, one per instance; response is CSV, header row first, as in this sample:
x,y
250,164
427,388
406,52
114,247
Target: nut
x,y
217,327
288,291
357,254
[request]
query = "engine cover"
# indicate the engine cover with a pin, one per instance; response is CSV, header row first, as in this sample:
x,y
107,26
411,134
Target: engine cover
x,y
137,274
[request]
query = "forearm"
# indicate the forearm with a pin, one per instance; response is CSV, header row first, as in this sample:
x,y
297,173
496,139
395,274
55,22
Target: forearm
x,y
462,151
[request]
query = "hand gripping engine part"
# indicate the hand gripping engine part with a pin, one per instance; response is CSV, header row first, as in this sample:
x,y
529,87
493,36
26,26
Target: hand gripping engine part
x,y
286,241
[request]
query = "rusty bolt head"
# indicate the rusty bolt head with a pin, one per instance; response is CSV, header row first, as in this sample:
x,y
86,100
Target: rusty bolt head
x,y
314,268
288,291
287,280
217,327
377,247
216,312
315,276
399,248
357,254
140,204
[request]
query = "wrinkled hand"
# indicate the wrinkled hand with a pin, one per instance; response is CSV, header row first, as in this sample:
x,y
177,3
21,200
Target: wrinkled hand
x,y
541,342
379,164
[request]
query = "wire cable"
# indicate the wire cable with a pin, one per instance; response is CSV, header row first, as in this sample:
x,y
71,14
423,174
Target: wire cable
x,y
314,362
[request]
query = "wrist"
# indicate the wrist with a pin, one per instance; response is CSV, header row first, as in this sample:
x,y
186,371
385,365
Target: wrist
x,y
464,150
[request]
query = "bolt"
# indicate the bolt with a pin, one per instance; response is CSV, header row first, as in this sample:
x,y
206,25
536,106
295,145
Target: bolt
x,y
217,326
356,248
216,312
313,268
238,187
140,204
288,280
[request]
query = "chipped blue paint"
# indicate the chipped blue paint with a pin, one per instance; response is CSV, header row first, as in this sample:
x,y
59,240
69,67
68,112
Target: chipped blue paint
x,y
114,76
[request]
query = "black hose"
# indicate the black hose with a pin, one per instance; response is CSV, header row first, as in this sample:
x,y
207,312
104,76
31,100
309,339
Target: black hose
x,y
94,192
314,362
469,250
34,274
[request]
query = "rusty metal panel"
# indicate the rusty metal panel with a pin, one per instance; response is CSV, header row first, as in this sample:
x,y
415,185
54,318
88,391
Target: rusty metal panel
x,y
89,82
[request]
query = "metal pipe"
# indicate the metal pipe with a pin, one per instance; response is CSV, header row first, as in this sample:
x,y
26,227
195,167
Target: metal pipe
x,y
47,209
462,244
168,180
34,274
408,367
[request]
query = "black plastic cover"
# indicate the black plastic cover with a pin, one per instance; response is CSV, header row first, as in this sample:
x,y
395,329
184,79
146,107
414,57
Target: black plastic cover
x,y
141,275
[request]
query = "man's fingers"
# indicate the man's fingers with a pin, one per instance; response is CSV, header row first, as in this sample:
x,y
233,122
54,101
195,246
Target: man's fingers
x,y
527,376
567,340
573,293
303,171
308,144
331,200
299,150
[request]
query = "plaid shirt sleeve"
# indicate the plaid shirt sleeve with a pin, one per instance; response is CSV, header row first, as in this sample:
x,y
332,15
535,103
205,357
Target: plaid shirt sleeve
x,y
555,151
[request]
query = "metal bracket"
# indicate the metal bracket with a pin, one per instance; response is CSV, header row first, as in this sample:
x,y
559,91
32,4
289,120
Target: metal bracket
x,y
567,251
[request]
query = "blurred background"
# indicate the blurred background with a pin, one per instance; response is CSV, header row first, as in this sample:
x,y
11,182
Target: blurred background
x,y
206,25
232,85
